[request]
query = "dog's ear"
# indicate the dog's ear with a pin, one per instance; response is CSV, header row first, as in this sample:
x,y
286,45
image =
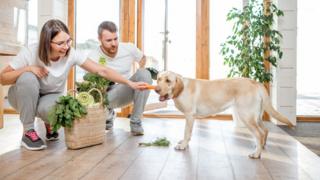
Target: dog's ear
x,y
178,87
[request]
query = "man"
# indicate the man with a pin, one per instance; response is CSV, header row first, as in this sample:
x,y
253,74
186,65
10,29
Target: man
x,y
120,57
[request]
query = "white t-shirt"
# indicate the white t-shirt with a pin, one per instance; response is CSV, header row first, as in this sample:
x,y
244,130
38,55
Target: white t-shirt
x,y
122,62
58,70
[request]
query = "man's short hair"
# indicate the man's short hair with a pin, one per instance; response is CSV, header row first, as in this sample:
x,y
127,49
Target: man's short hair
x,y
107,25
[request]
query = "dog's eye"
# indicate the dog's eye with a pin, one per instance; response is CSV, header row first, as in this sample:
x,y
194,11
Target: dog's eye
x,y
168,81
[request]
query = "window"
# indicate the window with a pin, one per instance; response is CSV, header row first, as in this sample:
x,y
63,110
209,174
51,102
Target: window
x,y
308,86
177,47
89,14
32,27
220,29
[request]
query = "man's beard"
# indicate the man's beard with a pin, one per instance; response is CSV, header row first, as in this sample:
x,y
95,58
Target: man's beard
x,y
110,51
113,50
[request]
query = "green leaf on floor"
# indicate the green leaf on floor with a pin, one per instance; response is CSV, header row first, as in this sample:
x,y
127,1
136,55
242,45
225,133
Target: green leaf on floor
x,y
158,142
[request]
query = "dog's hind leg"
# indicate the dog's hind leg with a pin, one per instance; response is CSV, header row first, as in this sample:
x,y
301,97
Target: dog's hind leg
x,y
187,133
252,125
262,128
265,132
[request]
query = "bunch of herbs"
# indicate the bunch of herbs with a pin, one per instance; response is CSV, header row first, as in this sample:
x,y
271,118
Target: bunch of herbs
x,y
158,142
65,111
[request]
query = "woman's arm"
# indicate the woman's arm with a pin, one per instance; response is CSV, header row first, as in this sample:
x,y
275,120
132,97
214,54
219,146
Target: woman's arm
x,y
110,74
9,75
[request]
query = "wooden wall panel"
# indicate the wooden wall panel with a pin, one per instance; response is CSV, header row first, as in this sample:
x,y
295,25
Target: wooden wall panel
x,y
127,21
140,24
127,33
202,40
71,26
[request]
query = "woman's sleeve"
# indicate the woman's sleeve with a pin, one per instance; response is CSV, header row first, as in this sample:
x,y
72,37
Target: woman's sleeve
x,y
22,59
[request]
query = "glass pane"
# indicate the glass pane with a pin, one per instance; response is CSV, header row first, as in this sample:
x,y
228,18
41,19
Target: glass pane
x,y
308,86
33,36
182,29
153,28
182,37
179,52
87,26
220,29
20,22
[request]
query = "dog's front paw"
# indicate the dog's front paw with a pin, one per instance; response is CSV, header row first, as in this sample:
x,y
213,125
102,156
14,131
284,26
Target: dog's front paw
x,y
181,146
180,142
255,156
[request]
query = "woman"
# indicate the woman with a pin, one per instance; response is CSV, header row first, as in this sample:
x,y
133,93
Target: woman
x,y
39,75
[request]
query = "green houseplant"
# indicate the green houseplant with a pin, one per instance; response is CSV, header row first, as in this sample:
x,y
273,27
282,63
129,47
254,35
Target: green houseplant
x,y
254,41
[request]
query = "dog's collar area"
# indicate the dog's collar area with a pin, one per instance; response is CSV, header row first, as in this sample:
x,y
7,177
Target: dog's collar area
x,y
175,96
177,89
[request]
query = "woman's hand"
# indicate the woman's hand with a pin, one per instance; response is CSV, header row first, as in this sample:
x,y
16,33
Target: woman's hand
x,y
40,72
138,85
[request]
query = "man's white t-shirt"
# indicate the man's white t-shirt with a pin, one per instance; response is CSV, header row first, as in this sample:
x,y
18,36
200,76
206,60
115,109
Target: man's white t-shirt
x,y
55,82
122,62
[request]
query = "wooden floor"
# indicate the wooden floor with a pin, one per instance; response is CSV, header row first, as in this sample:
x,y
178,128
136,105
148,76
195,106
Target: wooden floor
x,y
217,151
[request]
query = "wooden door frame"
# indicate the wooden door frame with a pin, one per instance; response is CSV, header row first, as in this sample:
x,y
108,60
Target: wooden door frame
x,y
71,27
202,39
127,34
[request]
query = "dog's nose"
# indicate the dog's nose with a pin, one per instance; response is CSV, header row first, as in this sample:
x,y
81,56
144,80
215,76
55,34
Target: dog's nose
x,y
157,89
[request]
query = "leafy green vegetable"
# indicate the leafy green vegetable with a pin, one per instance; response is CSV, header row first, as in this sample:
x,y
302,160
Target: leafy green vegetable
x,y
65,111
85,98
158,142
94,81
98,81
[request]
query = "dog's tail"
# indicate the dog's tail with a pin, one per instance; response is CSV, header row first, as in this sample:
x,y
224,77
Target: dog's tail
x,y
267,106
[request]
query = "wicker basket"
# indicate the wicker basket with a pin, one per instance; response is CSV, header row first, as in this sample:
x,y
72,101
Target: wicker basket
x,y
88,130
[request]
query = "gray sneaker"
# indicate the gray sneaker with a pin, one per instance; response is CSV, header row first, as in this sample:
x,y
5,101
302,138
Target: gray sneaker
x,y
32,141
111,117
136,129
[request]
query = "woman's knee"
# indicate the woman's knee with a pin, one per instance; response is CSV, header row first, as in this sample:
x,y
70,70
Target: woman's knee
x,y
43,112
44,107
28,80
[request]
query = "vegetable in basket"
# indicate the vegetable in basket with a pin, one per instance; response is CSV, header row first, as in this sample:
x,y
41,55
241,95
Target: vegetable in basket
x,y
85,98
92,80
66,110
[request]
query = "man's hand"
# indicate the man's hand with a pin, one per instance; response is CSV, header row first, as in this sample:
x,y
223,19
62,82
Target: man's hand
x,y
138,85
142,62
40,72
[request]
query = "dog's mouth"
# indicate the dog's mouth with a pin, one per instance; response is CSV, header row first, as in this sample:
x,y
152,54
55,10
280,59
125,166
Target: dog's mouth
x,y
163,98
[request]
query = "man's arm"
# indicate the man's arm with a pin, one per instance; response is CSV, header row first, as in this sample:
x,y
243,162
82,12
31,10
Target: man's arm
x,y
142,62
110,74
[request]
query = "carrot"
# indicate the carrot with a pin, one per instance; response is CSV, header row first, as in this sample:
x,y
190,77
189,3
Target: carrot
x,y
150,87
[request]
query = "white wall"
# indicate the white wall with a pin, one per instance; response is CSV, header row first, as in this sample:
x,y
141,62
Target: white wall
x,y
284,86
52,9
12,22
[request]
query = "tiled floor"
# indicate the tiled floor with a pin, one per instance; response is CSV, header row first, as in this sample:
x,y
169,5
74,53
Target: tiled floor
x,y
308,133
217,151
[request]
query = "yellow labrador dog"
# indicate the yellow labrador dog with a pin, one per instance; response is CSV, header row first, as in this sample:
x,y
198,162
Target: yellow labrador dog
x,y
195,98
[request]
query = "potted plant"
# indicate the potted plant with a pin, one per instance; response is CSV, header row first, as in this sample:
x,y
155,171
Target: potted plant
x,y
254,41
